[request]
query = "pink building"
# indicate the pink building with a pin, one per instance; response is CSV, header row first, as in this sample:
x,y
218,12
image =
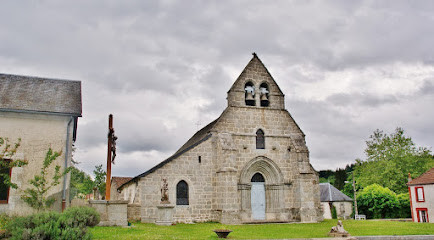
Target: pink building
x,y
421,191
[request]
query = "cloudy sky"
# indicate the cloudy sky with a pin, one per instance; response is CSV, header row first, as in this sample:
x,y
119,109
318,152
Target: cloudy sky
x,y
163,68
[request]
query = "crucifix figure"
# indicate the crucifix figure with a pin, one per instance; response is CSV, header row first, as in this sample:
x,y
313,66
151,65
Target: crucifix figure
x,y
111,154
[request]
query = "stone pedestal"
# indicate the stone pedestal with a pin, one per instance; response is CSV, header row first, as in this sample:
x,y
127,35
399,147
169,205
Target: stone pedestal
x,y
113,213
165,215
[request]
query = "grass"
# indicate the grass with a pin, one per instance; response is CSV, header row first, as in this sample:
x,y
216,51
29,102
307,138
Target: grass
x,y
263,231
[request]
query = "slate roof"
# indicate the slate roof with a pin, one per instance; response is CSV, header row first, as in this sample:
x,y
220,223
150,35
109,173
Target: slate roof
x,y
199,137
331,194
426,178
34,94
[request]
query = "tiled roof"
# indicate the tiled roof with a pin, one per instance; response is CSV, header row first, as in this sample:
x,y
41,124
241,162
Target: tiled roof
x,y
426,178
331,194
34,94
117,181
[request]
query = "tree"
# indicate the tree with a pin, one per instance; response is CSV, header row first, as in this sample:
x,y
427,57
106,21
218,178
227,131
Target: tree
x,y
390,158
7,152
81,183
340,178
376,201
100,180
36,195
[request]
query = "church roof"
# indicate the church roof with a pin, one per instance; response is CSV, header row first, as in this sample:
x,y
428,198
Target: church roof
x,y
199,137
331,194
426,178
34,94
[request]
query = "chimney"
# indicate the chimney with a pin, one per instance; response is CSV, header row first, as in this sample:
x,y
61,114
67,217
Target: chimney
x,y
409,177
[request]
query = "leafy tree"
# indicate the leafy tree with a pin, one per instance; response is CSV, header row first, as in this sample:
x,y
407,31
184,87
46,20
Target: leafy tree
x,y
81,183
100,179
376,201
390,158
7,151
404,210
36,195
340,177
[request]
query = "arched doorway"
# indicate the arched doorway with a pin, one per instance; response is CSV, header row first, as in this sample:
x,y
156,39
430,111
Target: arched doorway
x,y
261,183
258,197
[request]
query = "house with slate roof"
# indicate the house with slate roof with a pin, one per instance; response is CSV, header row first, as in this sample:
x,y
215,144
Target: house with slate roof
x,y
249,165
43,113
421,192
332,197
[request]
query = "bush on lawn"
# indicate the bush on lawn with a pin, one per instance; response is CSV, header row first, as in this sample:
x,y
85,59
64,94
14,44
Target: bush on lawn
x,y
376,201
72,224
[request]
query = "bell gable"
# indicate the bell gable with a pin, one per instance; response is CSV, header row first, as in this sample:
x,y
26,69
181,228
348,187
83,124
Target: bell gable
x,y
255,87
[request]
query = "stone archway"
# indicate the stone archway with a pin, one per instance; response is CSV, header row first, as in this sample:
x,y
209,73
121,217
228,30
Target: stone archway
x,y
273,179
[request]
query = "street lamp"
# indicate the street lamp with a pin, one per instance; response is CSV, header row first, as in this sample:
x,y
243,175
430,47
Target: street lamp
x,y
355,200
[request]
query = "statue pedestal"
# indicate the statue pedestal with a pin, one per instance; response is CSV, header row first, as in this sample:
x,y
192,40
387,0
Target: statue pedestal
x,y
165,215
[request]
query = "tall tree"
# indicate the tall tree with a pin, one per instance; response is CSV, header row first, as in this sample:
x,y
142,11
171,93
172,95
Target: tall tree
x,y
390,157
100,176
340,178
81,183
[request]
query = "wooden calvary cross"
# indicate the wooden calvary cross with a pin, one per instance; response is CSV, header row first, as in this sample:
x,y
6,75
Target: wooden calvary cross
x,y
111,154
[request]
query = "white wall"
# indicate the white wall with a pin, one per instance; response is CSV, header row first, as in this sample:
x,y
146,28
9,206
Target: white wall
x,y
38,132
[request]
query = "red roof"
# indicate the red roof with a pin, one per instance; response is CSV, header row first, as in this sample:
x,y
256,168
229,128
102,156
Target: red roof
x,y
120,180
426,178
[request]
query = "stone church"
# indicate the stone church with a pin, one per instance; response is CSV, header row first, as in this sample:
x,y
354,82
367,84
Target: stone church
x,y
251,164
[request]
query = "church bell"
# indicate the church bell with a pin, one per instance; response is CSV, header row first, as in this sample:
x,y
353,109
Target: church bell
x,y
264,100
250,99
249,96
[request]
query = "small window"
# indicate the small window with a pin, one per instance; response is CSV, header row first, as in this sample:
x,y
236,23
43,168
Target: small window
x,y
420,196
4,189
249,94
182,193
260,139
422,214
200,159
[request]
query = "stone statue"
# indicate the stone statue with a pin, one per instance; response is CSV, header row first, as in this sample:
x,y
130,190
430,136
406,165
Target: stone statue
x,y
338,231
164,194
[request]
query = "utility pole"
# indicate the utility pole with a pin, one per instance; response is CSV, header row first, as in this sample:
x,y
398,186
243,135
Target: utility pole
x,y
111,154
355,199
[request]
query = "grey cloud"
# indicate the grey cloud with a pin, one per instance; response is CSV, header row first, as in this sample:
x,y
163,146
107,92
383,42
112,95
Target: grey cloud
x,y
139,60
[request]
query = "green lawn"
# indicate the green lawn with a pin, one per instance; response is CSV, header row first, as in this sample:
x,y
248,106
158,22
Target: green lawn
x,y
263,231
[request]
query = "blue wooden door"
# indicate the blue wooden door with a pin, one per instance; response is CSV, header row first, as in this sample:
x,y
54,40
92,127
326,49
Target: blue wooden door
x,y
258,200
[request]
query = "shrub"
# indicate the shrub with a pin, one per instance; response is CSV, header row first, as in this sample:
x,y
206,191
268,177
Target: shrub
x,y
333,211
72,224
376,201
81,216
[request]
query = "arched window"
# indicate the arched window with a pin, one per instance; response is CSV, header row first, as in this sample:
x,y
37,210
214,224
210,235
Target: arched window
x,y
258,178
249,96
182,193
260,139
263,89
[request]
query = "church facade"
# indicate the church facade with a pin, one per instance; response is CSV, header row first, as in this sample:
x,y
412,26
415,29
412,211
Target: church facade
x,y
249,165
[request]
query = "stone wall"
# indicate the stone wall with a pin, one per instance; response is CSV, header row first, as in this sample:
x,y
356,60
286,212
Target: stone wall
x,y
133,212
112,213
38,133
198,177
